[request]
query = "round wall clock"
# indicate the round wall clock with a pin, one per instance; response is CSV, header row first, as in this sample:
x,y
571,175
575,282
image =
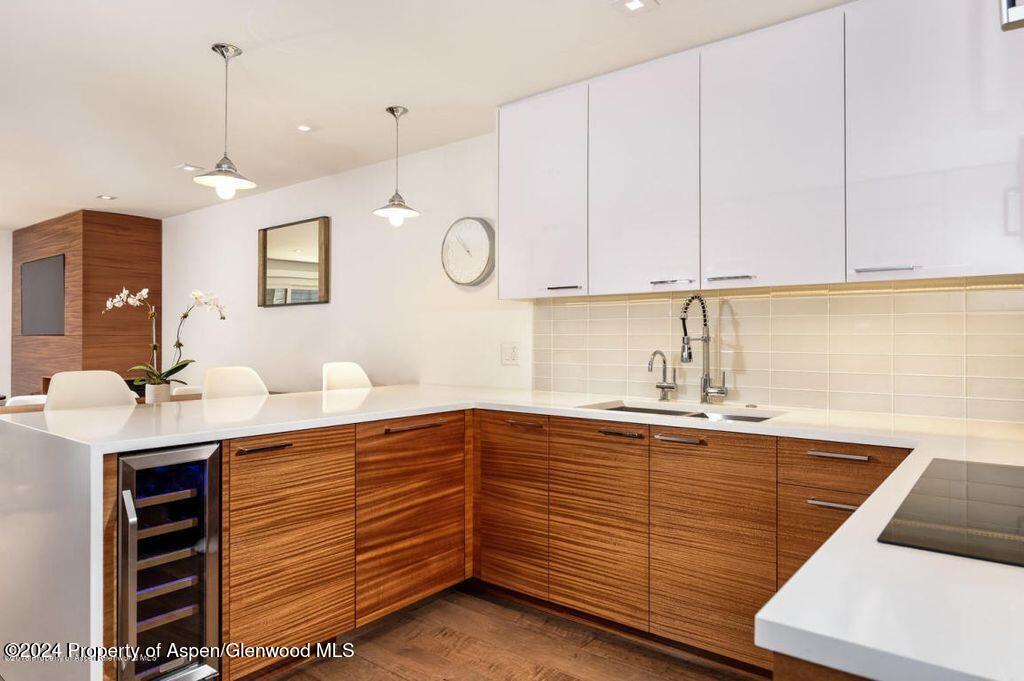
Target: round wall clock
x,y
467,251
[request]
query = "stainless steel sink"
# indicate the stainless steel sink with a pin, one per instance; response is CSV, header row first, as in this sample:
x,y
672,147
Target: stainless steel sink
x,y
728,417
646,410
710,416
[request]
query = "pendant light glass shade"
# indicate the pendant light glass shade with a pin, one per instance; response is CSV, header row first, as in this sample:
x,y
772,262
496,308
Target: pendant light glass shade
x,y
397,211
225,178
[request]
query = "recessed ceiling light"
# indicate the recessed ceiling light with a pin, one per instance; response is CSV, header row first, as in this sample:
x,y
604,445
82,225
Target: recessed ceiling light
x,y
106,197
305,128
636,6
188,167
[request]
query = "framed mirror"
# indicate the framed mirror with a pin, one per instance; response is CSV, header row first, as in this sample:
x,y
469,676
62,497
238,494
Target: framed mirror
x,y
295,263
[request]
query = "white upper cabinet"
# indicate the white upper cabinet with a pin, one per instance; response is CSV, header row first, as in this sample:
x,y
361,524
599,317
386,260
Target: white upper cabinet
x,y
645,177
936,139
542,195
772,156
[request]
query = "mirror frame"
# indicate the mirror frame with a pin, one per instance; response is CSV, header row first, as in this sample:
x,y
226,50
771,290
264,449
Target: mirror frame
x,y
324,247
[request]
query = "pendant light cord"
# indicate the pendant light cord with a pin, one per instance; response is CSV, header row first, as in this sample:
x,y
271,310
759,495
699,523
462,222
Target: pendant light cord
x,y
396,154
226,59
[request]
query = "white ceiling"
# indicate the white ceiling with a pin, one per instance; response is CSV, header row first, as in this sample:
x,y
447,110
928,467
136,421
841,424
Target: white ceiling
x,y
107,97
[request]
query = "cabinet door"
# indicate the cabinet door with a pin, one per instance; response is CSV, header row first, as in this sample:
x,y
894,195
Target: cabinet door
x,y
712,538
645,177
599,514
837,465
772,156
542,195
513,502
935,94
289,530
410,510
807,518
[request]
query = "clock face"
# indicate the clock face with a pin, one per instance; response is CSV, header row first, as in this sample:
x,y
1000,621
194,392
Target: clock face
x,y
467,252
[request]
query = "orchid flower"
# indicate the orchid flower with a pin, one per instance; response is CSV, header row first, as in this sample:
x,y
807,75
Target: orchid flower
x,y
151,372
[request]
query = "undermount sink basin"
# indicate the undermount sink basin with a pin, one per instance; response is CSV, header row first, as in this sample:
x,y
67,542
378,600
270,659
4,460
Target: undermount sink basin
x,y
713,416
710,416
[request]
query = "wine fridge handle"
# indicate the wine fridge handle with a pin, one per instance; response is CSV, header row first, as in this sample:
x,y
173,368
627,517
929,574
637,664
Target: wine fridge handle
x,y
127,616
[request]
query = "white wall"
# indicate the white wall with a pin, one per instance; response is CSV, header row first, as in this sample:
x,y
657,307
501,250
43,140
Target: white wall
x,y
6,306
392,308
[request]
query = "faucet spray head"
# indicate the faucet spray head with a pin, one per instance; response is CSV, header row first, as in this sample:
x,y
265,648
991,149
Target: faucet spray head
x,y
686,354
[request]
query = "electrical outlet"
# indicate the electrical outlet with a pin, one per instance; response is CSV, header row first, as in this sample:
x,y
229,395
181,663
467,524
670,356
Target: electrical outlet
x,y
510,354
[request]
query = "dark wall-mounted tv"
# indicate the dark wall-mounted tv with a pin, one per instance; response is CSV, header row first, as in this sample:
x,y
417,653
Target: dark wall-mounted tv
x,y
42,297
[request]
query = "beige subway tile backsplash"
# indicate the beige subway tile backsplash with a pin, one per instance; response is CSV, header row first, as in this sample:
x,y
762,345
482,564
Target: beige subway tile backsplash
x,y
860,383
945,348
861,304
1002,300
942,302
995,367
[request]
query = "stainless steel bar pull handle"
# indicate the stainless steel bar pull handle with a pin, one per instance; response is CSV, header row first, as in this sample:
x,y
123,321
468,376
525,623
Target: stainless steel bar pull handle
x,y
679,440
524,424
405,429
127,581
662,282
845,457
622,433
832,504
565,288
731,277
886,268
263,448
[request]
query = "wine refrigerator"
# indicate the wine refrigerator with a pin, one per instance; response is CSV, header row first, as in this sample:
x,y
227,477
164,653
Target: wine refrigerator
x,y
168,563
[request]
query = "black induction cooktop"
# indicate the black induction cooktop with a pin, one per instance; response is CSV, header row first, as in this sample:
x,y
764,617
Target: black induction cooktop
x,y
966,509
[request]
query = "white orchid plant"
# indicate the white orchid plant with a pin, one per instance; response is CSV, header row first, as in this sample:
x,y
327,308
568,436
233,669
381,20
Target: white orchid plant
x,y
150,374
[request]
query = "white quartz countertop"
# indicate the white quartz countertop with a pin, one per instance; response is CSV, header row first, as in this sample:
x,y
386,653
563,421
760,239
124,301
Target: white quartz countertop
x,y
877,610
137,427
894,613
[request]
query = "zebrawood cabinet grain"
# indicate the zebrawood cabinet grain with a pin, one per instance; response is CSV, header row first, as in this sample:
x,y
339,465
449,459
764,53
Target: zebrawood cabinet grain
x,y
837,466
513,501
712,538
94,244
599,518
290,532
410,510
807,518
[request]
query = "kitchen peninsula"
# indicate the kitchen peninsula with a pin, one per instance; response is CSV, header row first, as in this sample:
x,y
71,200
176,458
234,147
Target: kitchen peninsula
x,y
844,609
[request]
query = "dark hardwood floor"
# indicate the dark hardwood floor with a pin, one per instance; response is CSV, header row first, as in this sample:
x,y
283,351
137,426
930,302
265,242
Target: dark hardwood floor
x,y
464,637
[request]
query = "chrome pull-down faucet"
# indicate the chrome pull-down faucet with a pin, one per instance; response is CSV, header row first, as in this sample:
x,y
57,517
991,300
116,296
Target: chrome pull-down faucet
x,y
707,388
665,386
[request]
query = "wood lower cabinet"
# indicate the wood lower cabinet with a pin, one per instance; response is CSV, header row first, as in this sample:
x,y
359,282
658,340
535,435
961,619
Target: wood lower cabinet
x,y
712,538
599,518
289,528
821,484
683,533
513,501
807,518
836,465
410,510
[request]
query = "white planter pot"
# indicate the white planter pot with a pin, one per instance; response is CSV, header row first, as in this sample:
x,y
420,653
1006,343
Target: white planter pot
x,y
155,394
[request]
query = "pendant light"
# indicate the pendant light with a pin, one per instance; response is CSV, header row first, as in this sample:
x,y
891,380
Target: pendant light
x,y
396,210
224,177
